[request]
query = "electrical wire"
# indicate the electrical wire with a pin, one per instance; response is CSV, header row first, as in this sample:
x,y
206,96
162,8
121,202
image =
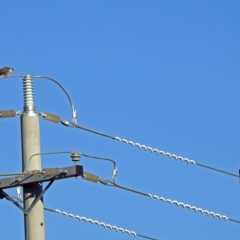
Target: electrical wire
x,y
98,223
74,112
89,220
152,150
114,171
45,153
89,130
99,158
13,76
217,170
174,202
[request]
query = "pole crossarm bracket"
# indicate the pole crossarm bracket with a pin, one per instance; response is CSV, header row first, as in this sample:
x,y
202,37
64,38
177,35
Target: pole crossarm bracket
x,y
26,211
45,175
48,174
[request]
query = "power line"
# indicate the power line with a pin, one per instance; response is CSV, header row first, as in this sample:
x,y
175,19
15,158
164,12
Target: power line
x,y
152,150
89,220
89,130
44,153
99,224
217,170
99,158
140,146
74,112
114,171
174,202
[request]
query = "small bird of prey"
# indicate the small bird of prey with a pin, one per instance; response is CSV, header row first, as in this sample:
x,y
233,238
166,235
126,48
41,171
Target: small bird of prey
x,y
5,71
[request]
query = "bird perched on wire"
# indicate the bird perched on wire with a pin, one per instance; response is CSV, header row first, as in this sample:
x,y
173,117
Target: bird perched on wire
x,y
5,71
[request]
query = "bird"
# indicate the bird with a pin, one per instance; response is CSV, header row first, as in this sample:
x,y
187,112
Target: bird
x,y
5,71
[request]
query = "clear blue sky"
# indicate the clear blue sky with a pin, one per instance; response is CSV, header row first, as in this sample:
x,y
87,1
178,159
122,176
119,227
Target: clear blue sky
x,y
162,73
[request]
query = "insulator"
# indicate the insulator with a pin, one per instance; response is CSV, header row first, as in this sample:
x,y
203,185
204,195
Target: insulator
x,y
7,113
51,171
75,156
51,117
90,177
28,91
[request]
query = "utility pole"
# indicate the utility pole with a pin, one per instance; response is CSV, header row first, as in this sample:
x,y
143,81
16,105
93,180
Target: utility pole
x,y
33,221
32,175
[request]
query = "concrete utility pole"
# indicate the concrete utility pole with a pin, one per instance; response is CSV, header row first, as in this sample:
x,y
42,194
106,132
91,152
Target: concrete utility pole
x,y
34,221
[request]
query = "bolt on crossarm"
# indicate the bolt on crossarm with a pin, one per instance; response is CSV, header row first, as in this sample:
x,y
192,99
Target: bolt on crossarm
x,y
30,136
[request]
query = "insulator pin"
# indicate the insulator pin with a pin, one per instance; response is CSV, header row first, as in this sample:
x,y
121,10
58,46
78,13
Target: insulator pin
x,y
51,171
7,113
90,177
51,117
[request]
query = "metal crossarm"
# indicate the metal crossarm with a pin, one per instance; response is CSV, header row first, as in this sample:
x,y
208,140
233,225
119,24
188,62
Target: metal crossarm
x,y
43,176
46,175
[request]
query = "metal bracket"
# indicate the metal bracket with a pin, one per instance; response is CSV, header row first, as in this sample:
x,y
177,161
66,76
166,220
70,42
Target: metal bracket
x,y
27,211
47,175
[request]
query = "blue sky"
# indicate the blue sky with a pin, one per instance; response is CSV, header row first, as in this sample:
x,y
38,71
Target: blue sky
x,y
161,73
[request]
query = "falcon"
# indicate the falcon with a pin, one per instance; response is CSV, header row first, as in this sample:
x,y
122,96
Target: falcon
x,y
5,71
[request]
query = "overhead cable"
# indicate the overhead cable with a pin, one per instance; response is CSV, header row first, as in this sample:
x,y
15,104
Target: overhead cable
x,y
44,153
173,202
99,224
74,112
114,171
146,148
89,220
